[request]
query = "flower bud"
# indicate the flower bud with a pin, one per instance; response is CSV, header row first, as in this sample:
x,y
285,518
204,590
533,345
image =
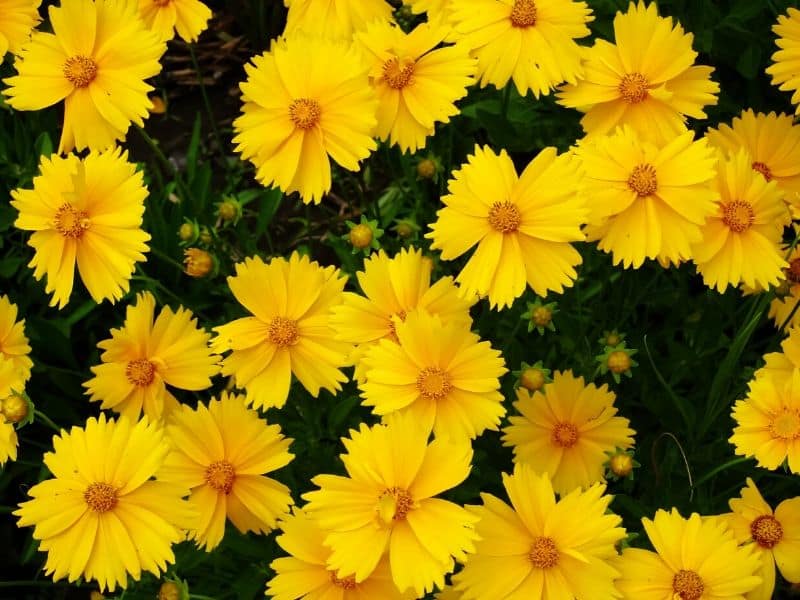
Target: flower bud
x,y
198,263
360,236
15,408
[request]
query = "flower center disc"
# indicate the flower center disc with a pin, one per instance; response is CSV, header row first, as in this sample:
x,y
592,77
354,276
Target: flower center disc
x,y
565,435
71,222
633,88
398,73
688,585
348,583
101,497
283,332
543,553
766,531
305,113
786,425
400,314
643,180
763,169
433,383
523,14
80,71
220,475
505,217
793,272
394,504
140,372
738,216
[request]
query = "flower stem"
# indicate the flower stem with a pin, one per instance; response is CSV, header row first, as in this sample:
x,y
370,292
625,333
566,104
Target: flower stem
x,y
47,421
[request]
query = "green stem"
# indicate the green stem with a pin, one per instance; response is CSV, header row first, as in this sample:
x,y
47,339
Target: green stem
x,y
167,259
720,468
506,100
162,158
212,121
46,420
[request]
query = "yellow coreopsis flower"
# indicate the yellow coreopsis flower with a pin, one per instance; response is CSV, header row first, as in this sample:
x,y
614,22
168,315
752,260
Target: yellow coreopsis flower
x,y
148,353
392,288
785,71
522,225
101,516
96,61
539,547
780,365
531,42
335,19
741,242
566,430
647,200
189,18
775,536
438,373
8,439
15,364
695,559
305,101
289,331
646,80
226,472
85,212
416,80
305,574
768,422
17,20
386,504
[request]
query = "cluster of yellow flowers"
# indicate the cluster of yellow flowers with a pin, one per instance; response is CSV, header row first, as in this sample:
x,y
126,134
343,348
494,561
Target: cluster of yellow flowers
x,y
125,489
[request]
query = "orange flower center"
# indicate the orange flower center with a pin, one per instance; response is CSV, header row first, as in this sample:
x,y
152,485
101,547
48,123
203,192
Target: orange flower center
x,y
543,553
305,113
80,71
398,73
763,169
688,585
785,425
100,497
398,502
220,475
433,383
401,314
643,180
348,583
793,272
633,88
140,372
71,222
283,332
766,531
565,435
505,217
523,14
738,216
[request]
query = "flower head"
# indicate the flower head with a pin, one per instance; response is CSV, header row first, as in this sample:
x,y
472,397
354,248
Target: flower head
x,y
85,212
17,19
386,504
646,79
289,331
102,516
15,364
305,100
566,429
96,61
8,442
785,71
335,20
189,18
522,225
539,547
222,452
148,353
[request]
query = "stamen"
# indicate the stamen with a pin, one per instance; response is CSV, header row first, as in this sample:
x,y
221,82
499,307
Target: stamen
x,y
283,332
523,13
398,74
433,383
565,435
71,222
220,475
140,372
305,113
738,216
643,180
543,553
767,531
505,217
80,71
633,88
101,497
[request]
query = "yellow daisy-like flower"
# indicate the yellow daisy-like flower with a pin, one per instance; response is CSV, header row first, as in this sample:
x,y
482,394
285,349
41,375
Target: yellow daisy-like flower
x,y
145,355
742,241
780,365
335,19
392,288
647,200
85,212
96,61
768,422
305,574
189,18
416,80
695,559
775,536
8,439
305,100
386,504
102,516
531,42
542,548
289,331
15,365
438,373
646,80
17,20
522,225
566,430
222,453
785,71
773,143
